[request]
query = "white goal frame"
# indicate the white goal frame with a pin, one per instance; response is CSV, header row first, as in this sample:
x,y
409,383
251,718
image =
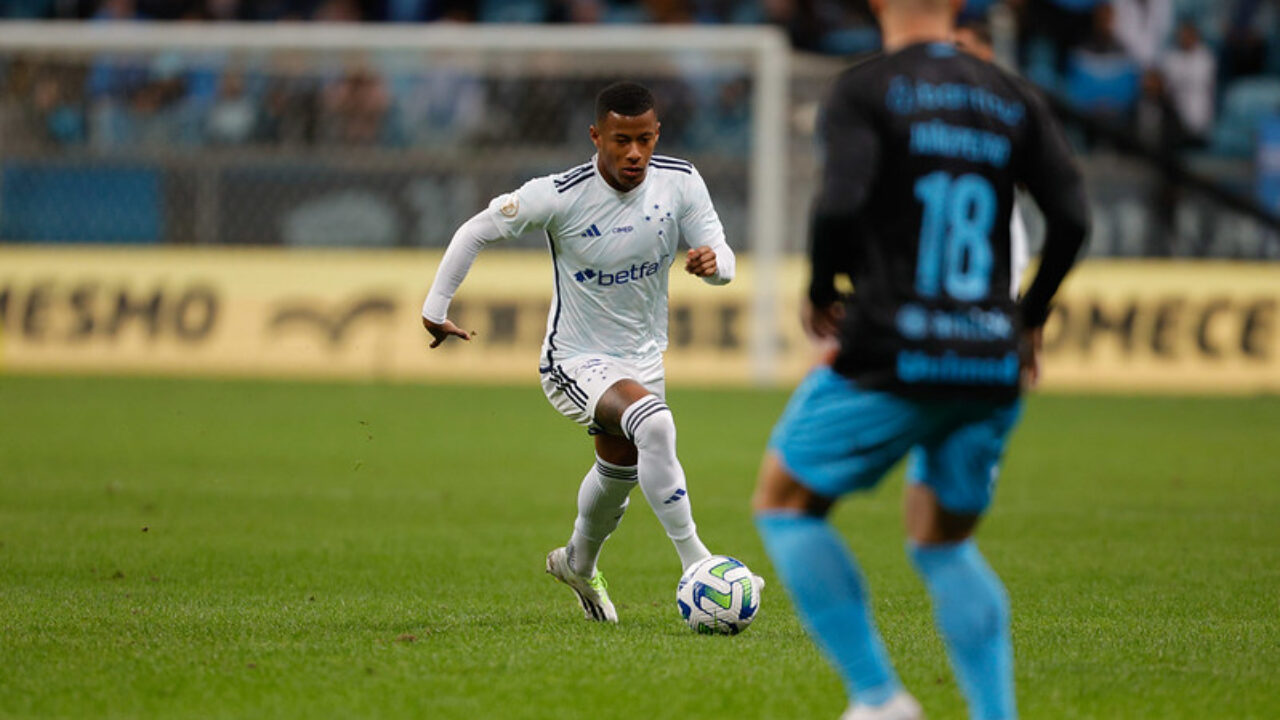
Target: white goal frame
x,y
766,46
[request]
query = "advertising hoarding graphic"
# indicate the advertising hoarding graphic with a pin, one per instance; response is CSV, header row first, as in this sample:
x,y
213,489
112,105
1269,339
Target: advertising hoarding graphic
x,y
1157,326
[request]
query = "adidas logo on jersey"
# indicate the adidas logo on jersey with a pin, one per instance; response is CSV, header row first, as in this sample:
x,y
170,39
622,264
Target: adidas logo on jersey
x,y
594,231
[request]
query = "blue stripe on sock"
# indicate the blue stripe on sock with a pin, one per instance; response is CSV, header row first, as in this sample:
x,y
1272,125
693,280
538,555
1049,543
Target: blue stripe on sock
x,y
971,609
824,583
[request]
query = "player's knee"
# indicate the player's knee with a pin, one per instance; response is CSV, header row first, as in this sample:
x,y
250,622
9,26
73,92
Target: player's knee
x,y
649,424
777,490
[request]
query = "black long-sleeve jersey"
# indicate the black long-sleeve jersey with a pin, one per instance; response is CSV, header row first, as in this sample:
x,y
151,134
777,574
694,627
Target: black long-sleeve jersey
x,y
923,149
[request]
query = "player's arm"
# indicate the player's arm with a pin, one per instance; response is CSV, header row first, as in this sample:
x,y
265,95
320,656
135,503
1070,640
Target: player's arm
x,y
851,155
709,256
508,216
1054,181
467,242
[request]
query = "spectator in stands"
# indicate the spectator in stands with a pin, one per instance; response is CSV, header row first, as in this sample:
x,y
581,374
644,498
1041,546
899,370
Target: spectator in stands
x,y
826,26
26,9
1101,38
1142,27
291,111
441,105
339,11
226,10
578,12
1063,24
402,11
1244,50
670,12
1157,127
233,118
152,114
356,110
117,10
1190,72
59,109
799,19
1101,78
423,10
1155,118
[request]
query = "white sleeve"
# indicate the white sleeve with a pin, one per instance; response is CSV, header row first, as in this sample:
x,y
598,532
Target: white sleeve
x,y
509,216
700,225
466,244
532,207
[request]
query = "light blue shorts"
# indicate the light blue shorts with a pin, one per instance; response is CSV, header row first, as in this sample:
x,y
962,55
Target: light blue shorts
x,y
836,438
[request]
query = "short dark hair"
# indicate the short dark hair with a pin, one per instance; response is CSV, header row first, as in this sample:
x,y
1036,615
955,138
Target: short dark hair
x,y
628,99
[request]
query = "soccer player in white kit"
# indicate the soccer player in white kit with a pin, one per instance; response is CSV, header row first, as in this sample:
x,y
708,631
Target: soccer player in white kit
x,y
614,226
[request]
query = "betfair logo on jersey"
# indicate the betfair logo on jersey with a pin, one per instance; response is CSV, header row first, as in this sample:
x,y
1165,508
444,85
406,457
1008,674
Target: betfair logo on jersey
x,y
606,278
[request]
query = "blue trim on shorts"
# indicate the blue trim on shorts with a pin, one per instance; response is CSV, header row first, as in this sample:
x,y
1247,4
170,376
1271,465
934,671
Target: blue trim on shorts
x,y
570,387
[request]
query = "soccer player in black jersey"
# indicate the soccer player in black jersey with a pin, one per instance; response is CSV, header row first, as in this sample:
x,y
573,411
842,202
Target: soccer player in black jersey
x,y
923,148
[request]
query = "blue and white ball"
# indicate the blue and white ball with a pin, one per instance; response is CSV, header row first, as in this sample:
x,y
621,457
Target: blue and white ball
x,y
716,596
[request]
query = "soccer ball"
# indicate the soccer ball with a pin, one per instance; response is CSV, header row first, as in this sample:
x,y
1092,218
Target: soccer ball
x,y
717,597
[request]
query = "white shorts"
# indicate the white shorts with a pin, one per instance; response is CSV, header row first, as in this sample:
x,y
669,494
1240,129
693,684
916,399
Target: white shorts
x,y
574,385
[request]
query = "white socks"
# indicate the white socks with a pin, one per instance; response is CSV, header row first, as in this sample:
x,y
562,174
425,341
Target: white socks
x,y
648,424
602,499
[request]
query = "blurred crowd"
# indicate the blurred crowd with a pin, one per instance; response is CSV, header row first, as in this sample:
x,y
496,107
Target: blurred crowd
x,y
1181,74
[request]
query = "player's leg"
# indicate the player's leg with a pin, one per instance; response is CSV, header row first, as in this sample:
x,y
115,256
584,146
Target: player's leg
x,y
952,478
603,497
833,439
824,581
602,494
629,410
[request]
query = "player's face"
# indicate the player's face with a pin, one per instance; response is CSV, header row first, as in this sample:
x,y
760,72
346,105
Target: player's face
x,y
625,144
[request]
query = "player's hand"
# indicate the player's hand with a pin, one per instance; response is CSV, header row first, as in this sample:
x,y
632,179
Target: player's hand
x,y
440,331
701,261
1030,348
822,322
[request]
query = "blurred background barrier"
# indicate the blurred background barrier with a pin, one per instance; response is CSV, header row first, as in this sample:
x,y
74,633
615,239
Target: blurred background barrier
x,y
1126,325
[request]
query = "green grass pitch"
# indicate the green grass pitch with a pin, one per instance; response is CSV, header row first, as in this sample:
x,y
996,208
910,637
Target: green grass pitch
x,y
251,549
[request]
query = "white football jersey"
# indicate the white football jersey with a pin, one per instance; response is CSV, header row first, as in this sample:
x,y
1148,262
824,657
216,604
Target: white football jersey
x,y
612,252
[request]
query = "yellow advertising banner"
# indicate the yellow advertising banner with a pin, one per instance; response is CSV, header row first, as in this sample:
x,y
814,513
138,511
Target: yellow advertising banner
x,y
1118,325
1181,326
322,313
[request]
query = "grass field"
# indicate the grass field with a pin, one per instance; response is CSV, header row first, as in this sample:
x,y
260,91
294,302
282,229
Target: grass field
x,y
218,549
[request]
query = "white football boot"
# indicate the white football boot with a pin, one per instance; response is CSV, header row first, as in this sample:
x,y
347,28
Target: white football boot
x,y
900,707
593,592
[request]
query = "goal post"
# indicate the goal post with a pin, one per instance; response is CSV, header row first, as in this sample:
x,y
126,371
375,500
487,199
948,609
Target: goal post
x,y
209,197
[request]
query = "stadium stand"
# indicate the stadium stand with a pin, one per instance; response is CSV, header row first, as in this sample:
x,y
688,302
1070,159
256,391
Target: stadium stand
x,y
1205,74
